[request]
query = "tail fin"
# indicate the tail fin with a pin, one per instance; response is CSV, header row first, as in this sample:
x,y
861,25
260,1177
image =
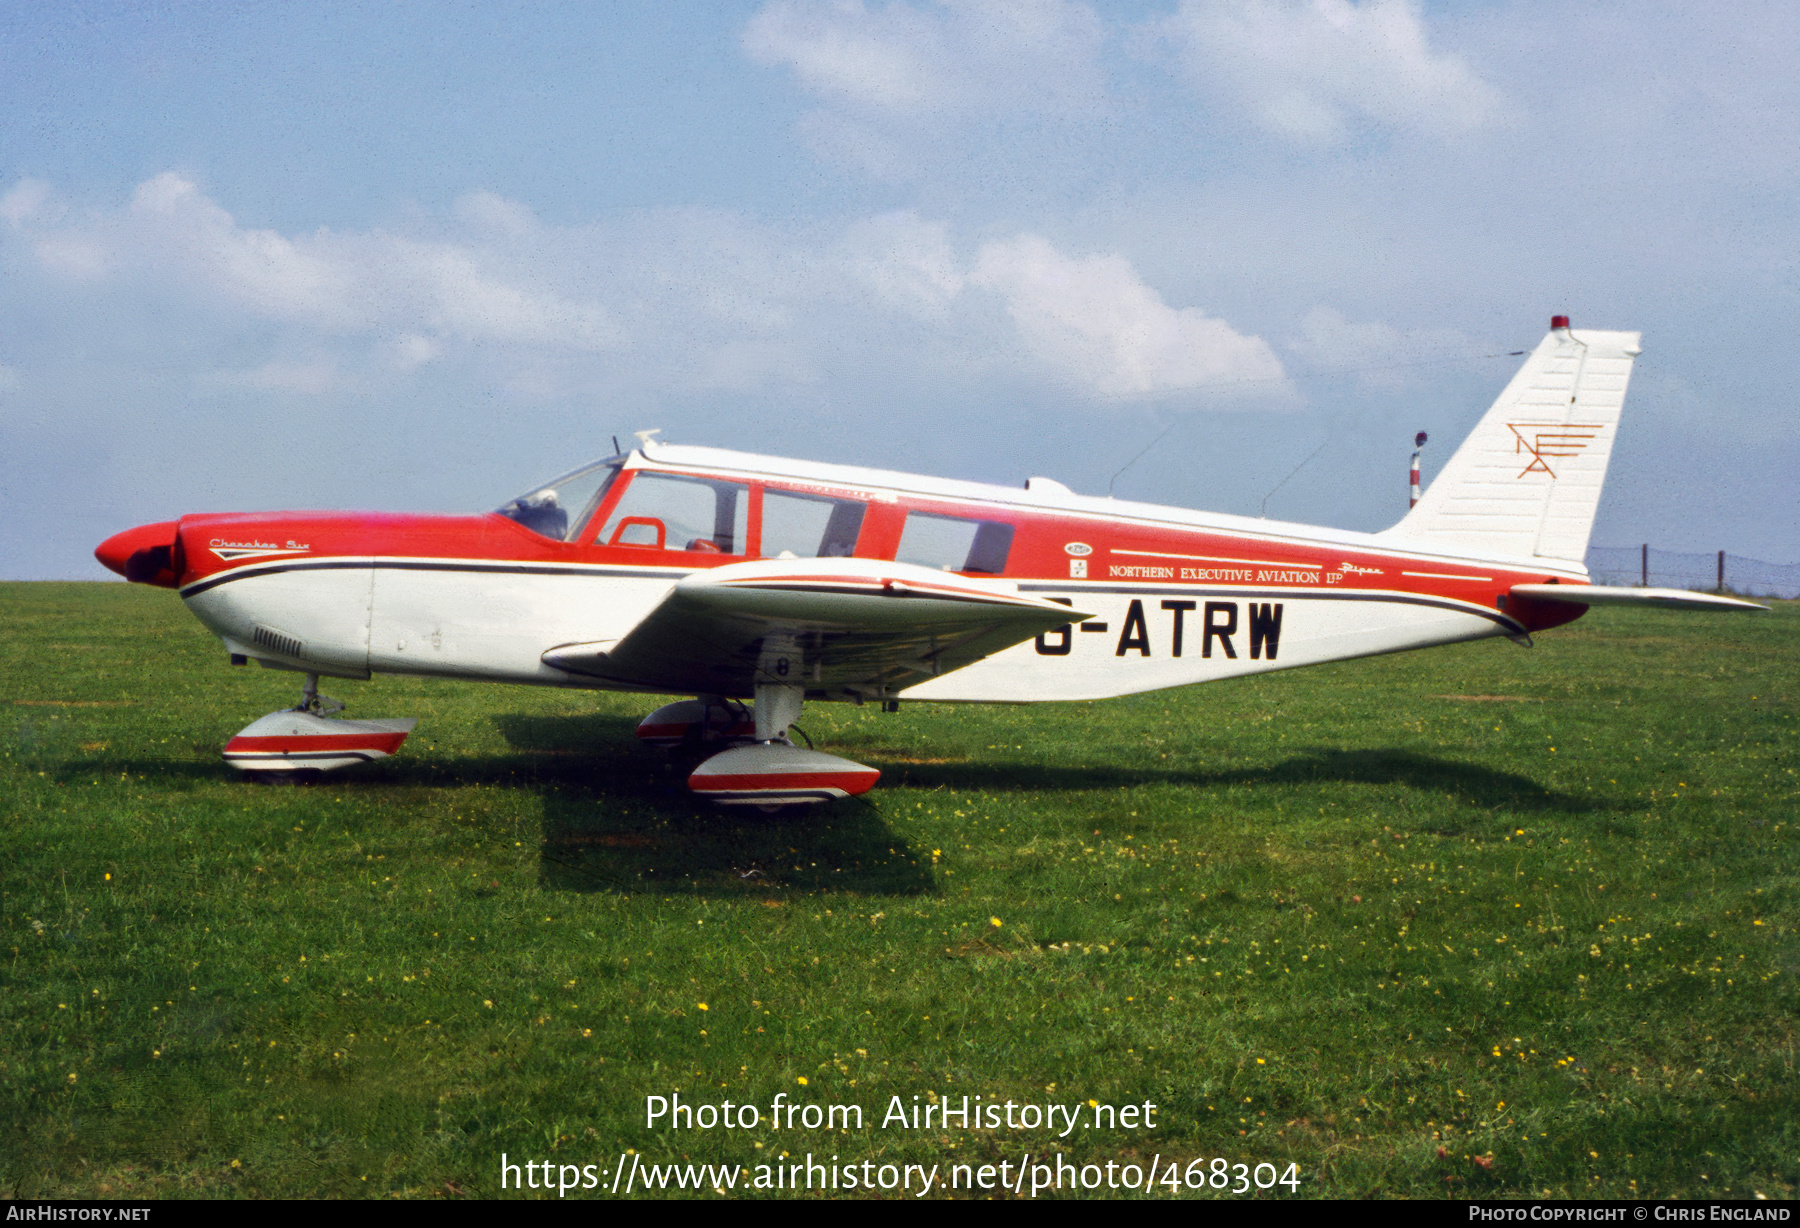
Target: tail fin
x,y
1526,482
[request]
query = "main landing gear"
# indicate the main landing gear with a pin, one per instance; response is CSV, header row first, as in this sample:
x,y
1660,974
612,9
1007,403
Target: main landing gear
x,y
306,740
759,765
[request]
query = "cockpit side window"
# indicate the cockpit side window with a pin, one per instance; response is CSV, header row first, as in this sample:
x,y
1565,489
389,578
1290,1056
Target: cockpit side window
x,y
561,509
955,544
672,511
809,526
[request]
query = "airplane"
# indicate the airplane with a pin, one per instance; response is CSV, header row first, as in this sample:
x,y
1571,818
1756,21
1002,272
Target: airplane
x,y
755,585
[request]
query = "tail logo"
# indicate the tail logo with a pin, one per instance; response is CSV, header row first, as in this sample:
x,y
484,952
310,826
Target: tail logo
x,y
1545,440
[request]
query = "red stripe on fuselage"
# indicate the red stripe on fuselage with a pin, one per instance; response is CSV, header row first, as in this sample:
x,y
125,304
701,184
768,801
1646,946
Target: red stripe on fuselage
x,y
1129,551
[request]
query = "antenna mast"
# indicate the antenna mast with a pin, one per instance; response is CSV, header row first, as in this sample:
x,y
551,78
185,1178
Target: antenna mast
x,y
1418,447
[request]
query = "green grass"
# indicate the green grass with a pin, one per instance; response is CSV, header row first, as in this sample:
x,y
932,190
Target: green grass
x,y
1477,921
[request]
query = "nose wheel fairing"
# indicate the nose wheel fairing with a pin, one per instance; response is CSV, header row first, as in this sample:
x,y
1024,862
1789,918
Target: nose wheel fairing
x,y
290,741
310,738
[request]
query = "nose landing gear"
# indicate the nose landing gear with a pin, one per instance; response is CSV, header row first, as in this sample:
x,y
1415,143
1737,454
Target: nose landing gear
x,y
306,739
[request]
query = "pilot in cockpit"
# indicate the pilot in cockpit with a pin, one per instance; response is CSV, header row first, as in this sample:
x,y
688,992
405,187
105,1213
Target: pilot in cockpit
x,y
541,512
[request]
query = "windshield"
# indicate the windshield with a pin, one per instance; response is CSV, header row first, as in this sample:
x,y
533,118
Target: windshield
x,y
559,510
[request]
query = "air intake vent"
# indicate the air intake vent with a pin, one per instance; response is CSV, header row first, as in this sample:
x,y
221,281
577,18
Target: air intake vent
x,y
277,641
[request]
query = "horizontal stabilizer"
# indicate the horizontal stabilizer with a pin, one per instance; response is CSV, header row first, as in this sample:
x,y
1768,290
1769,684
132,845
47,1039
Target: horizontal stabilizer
x,y
1661,598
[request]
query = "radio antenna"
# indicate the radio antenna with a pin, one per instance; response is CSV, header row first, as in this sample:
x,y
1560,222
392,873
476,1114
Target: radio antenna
x,y
1284,481
1134,460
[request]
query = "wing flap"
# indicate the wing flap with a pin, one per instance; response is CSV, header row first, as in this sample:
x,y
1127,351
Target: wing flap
x,y
840,627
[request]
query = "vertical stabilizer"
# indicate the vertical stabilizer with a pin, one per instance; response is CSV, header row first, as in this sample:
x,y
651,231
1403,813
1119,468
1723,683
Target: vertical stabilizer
x,y
1526,482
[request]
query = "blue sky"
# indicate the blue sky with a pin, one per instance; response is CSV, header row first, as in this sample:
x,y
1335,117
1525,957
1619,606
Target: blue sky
x,y
421,256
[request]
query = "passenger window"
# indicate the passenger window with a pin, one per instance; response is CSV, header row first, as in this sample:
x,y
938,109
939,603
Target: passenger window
x,y
809,526
667,511
954,544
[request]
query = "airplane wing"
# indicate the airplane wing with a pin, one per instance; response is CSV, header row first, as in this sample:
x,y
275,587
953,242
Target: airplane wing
x,y
1661,598
860,628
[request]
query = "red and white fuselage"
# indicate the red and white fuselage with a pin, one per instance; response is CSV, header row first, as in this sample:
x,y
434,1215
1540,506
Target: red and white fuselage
x,y
1176,597
728,575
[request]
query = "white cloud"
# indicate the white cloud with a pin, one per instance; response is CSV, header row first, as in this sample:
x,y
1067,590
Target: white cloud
x,y
1040,55
170,219
891,59
75,255
672,300
1378,354
414,350
1095,319
27,197
496,213
369,282
451,291
910,91
907,261
1309,70
1328,339
312,378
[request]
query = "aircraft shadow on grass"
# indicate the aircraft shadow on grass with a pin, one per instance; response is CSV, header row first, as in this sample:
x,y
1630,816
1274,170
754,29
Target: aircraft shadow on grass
x,y
618,818
1469,783
678,843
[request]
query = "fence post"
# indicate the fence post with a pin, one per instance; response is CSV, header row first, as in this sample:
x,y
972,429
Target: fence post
x,y
1644,576
1721,571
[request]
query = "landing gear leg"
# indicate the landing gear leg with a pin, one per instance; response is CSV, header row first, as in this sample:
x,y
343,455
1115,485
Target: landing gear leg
x,y
315,703
777,708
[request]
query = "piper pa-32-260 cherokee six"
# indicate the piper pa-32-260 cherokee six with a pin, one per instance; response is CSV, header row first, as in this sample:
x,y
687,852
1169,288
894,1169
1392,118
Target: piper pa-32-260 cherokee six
x,y
732,577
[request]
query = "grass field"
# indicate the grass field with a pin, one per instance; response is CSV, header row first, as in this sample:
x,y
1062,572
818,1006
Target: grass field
x,y
1478,921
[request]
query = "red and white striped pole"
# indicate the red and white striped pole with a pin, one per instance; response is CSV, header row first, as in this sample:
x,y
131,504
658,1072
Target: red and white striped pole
x,y
1418,447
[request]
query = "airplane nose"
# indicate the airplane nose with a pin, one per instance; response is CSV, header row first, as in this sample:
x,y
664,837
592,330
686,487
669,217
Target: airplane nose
x,y
144,555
